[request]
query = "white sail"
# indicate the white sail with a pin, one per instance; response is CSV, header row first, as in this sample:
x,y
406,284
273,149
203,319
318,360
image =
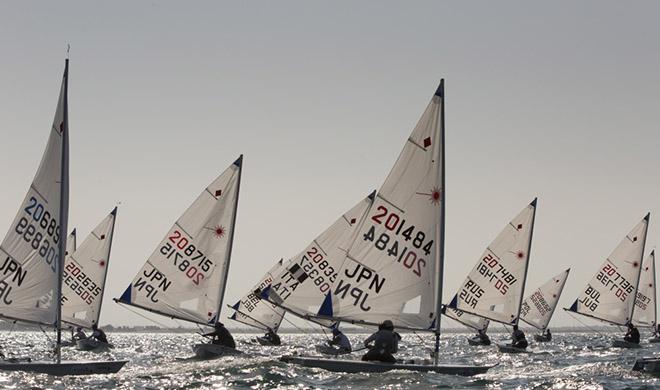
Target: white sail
x,y
469,320
30,252
71,243
84,273
185,276
303,283
256,312
645,303
538,307
610,295
391,270
494,287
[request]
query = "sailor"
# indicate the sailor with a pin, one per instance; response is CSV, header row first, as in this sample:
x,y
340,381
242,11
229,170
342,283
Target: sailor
x,y
272,337
382,344
221,336
518,337
547,335
482,337
79,335
98,334
340,340
632,336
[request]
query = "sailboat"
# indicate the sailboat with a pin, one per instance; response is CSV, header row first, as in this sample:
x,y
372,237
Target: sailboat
x,y
610,295
186,275
538,308
393,268
471,321
84,275
646,314
253,311
34,251
495,286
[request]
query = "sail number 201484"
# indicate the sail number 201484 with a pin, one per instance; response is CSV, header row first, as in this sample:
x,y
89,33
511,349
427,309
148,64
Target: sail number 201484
x,y
36,227
396,227
186,257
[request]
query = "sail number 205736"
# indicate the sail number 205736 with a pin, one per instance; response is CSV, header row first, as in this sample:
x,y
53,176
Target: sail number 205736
x,y
398,228
186,257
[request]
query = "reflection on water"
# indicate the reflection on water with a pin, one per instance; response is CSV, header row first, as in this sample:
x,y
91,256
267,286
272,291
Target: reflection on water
x,y
571,361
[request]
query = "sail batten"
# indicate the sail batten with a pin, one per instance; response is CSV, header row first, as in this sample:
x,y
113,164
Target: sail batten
x,y
186,275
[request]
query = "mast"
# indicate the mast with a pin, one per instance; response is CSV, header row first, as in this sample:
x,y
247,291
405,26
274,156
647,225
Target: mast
x,y
641,260
441,233
238,163
107,261
64,211
529,253
655,295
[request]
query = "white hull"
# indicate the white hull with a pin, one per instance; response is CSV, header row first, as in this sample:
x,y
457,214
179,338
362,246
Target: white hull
x,y
212,351
355,366
651,365
93,345
507,348
624,344
328,350
65,367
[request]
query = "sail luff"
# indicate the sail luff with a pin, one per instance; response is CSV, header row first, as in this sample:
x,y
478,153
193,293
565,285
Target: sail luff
x,y
64,209
440,234
641,260
529,253
107,261
239,163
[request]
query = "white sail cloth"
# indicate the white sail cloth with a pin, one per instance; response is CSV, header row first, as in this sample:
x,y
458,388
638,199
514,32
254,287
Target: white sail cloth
x,y
391,270
645,302
302,285
538,307
256,312
610,295
71,242
186,274
84,273
494,287
469,320
30,252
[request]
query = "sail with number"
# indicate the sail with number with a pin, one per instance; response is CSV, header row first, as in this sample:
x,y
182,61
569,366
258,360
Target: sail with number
x,y
32,249
391,270
538,307
258,313
494,287
610,295
185,277
645,303
84,274
302,284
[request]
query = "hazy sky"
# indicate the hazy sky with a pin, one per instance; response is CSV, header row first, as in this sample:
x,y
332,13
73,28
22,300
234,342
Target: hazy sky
x,y
557,100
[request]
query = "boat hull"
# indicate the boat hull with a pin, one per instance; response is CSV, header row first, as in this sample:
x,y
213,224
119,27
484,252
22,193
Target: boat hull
x,y
507,348
476,342
624,344
651,365
655,339
212,351
328,350
539,338
93,345
356,366
264,341
65,367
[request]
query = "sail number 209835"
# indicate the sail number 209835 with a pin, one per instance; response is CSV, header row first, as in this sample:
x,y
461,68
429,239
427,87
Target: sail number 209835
x,y
396,228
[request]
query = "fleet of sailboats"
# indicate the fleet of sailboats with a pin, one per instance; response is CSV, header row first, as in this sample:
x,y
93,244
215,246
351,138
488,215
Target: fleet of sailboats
x,y
381,260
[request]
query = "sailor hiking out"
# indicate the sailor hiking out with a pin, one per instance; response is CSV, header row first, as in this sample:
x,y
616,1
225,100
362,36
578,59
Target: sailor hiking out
x,y
518,338
221,336
382,344
632,336
340,341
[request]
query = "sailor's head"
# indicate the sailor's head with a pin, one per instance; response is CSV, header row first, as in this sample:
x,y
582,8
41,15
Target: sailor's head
x,y
335,331
630,325
79,329
515,327
94,326
387,325
219,325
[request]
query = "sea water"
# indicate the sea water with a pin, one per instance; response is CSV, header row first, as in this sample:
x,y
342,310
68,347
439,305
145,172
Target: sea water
x,y
160,361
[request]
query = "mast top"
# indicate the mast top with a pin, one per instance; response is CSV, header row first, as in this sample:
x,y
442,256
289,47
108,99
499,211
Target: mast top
x,y
239,161
441,89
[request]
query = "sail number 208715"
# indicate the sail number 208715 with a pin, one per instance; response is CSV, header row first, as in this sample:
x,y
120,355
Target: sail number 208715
x,y
186,257
398,229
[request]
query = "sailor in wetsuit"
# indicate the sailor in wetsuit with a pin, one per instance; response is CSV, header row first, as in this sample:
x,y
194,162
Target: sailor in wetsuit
x,y
632,336
340,340
547,335
518,337
221,336
382,344
482,337
79,335
272,337
98,334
